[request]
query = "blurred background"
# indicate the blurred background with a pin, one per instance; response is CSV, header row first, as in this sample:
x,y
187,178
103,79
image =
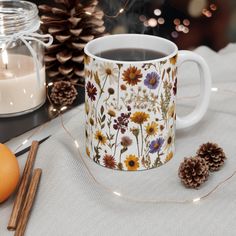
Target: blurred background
x,y
189,23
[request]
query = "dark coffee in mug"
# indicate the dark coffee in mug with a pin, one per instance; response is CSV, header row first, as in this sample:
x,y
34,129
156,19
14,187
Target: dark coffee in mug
x,y
131,54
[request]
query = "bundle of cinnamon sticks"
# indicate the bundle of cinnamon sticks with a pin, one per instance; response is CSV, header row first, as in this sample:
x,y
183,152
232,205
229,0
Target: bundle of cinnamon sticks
x,y
26,193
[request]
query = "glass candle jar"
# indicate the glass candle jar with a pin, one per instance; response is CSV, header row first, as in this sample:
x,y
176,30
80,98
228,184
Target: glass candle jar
x,y
22,70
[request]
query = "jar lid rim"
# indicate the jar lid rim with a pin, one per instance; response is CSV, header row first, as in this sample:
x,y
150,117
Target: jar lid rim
x,y
18,16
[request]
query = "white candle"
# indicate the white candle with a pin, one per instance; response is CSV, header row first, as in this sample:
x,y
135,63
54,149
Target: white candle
x,y
19,88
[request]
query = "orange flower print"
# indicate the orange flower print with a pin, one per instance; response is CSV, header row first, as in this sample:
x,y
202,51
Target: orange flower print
x,y
132,75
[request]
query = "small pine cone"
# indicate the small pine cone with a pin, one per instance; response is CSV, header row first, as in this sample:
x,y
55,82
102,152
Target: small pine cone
x,y
63,93
193,171
213,154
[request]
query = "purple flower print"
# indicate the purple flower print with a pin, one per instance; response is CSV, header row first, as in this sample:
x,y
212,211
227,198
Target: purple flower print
x,y
155,145
152,80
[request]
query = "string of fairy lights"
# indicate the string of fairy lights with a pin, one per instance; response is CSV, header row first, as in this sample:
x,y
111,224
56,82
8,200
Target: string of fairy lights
x,y
179,26
120,11
77,146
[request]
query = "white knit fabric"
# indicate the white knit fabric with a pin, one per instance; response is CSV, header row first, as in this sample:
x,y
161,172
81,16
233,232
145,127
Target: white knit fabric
x,y
70,203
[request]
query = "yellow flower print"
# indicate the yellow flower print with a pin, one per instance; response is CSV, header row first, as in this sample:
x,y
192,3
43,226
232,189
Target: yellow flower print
x,y
86,59
171,111
131,162
139,117
173,59
111,113
87,152
169,139
100,137
151,128
169,156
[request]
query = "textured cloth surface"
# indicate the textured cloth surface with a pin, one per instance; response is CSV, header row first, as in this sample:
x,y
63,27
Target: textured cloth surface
x,y
70,203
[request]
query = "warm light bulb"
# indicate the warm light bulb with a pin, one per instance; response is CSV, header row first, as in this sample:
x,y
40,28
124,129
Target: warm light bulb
x,y
197,199
121,10
152,22
117,193
157,12
63,108
76,143
214,89
24,142
4,57
161,20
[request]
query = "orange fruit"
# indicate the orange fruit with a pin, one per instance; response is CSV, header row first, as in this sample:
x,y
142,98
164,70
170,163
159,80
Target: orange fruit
x,y
9,172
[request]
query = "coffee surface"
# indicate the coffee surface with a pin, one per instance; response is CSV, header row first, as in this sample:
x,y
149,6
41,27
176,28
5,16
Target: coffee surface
x,y
131,54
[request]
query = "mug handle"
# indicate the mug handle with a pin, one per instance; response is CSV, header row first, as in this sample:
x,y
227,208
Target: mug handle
x,y
205,89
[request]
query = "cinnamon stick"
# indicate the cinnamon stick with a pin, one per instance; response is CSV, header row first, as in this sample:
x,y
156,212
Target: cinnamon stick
x,y
18,204
29,201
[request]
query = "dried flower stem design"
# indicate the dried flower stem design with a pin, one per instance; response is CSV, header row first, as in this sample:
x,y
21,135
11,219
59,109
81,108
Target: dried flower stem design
x,y
141,131
106,99
124,149
136,137
100,94
97,155
141,100
165,100
135,132
145,155
139,118
157,162
109,136
120,124
117,133
162,78
118,86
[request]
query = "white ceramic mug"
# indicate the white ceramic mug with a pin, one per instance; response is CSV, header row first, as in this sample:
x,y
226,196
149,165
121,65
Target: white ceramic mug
x,y
131,105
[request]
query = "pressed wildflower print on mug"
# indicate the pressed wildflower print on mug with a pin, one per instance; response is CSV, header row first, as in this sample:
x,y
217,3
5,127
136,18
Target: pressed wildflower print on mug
x,y
130,112
130,100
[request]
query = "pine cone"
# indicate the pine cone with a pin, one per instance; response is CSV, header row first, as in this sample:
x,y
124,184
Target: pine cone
x,y
193,171
63,93
213,154
72,23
